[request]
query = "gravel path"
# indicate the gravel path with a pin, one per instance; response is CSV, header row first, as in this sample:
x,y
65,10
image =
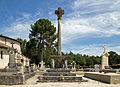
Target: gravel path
x,y
91,83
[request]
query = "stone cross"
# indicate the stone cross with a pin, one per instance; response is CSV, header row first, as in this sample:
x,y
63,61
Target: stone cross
x,y
59,14
42,65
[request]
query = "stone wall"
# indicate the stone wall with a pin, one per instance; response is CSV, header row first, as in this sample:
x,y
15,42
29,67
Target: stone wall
x,y
15,79
107,78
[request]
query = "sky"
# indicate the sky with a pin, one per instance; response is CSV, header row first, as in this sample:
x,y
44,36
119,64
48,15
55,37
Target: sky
x,y
87,25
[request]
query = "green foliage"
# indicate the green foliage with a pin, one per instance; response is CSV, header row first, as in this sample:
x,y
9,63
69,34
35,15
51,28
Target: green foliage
x,y
114,58
23,45
43,34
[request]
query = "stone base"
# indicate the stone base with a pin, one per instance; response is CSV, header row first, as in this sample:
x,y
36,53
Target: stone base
x,y
111,78
59,78
59,74
12,65
58,70
111,70
12,77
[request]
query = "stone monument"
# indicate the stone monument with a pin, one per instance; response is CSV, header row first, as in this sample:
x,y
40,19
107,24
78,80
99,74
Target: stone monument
x,y
59,64
12,52
105,58
59,71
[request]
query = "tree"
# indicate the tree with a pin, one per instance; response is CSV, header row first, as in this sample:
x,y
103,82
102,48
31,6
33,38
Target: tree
x,y
113,58
23,45
43,34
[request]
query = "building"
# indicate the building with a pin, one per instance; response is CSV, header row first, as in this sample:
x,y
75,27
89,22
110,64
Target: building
x,y
5,44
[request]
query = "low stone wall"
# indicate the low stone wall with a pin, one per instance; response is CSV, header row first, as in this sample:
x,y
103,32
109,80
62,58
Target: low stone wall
x,y
12,79
15,79
107,78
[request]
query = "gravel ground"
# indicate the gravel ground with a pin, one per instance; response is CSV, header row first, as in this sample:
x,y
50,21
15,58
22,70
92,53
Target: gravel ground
x,y
91,83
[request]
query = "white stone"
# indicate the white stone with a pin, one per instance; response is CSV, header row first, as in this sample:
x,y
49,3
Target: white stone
x,y
104,58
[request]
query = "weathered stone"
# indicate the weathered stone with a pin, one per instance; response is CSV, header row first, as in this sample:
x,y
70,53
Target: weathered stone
x,y
112,78
105,58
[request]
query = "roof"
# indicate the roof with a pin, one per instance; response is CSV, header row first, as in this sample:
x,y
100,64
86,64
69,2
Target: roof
x,y
3,46
11,39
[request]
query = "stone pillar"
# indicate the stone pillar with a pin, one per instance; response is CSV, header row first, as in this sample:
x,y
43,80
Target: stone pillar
x,y
104,58
53,63
12,62
59,14
66,65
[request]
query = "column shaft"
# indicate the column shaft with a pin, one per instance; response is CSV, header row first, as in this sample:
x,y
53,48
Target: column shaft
x,y
59,37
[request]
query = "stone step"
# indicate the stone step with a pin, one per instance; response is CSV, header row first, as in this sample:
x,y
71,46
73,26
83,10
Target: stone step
x,y
59,74
59,78
58,70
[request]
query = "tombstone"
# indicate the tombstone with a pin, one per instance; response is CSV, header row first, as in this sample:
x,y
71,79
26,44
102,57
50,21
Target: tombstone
x,y
105,58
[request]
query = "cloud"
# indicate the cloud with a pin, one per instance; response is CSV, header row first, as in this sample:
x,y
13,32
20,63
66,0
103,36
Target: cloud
x,y
105,25
90,18
94,49
20,28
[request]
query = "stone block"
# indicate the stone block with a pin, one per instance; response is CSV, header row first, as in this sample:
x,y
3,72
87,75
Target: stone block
x,y
111,78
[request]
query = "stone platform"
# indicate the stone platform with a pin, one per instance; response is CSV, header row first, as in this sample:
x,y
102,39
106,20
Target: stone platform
x,y
11,77
110,78
58,75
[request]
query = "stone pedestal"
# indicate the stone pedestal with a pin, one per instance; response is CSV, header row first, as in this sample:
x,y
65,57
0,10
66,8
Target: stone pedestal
x,y
104,58
58,63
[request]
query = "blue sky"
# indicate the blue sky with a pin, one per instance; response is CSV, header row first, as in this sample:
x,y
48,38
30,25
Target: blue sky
x,y
87,25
